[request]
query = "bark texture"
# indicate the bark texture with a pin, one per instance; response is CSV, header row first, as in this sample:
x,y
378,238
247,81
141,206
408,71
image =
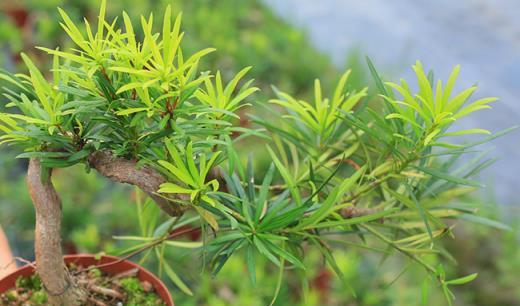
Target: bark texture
x,y
47,245
125,171
49,257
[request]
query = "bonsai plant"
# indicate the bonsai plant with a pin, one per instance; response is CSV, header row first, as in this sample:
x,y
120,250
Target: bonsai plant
x,y
364,172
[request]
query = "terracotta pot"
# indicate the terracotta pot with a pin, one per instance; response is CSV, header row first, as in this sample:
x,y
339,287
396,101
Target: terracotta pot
x,y
88,260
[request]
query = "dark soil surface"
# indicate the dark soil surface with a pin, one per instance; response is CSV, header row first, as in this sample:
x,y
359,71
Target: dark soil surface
x,y
118,290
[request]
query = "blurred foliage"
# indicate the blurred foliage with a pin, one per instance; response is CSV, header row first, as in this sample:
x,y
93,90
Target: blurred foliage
x,y
245,33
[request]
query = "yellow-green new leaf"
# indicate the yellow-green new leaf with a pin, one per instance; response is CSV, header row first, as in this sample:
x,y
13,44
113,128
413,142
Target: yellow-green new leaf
x,y
173,188
467,132
129,111
208,217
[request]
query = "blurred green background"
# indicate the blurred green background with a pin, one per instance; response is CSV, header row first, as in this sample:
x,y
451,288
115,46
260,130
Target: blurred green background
x,y
246,33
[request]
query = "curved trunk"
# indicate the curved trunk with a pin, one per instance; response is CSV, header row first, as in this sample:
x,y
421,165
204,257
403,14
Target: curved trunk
x,y
47,240
50,267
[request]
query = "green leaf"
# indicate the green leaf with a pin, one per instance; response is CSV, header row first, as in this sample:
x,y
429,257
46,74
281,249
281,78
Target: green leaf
x,y
462,280
264,251
173,188
250,179
208,217
449,85
166,35
190,160
182,175
377,79
355,220
79,155
13,80
251,266
496,135
184,244
287,177
285,255
230,87
466,132
129,111
278,283
447,177
485,221
133,238
425,87
173,276
261,201
30,120
326,207
458,101
422,211
43,155
41,86
280,221
101,19
431,136
73,32
425,292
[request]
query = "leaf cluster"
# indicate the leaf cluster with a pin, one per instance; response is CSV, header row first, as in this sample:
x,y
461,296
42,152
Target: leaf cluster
x,y
348,169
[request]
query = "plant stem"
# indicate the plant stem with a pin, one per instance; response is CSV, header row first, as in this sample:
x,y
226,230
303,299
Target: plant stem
x,y
47,241
152,244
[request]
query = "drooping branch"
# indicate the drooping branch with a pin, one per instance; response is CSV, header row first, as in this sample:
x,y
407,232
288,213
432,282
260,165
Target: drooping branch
x,y
47,245
125,171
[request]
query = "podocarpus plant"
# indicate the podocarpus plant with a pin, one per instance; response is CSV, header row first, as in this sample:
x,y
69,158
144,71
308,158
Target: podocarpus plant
x,y
353,171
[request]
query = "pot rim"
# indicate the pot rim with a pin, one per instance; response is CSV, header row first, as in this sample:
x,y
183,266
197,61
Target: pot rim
x,y
111,265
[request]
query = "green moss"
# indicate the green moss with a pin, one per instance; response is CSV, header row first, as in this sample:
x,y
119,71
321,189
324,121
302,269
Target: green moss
x,y
137,296
131,285
39,298
29,292
96,273
31,287
11,296
32,282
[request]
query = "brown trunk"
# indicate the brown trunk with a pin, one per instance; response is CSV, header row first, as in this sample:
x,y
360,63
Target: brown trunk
x,y
147,179
47,246
50,267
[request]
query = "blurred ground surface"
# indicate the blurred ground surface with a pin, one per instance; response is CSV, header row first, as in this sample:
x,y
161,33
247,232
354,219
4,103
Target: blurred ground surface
x,y
482,36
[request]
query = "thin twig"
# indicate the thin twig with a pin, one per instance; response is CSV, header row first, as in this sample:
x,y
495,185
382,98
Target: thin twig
x,y
125,274
25,261
139,251
96,302
107,292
